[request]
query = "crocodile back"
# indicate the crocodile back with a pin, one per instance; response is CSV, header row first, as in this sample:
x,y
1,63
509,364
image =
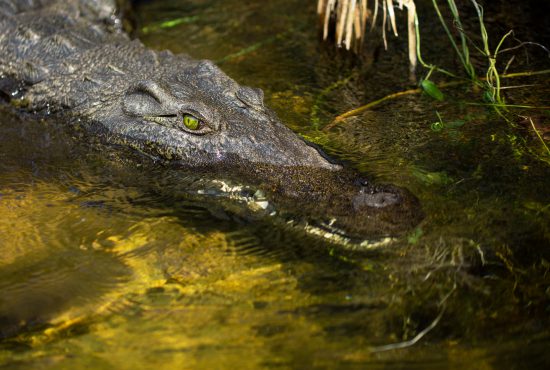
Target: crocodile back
x,y
64,54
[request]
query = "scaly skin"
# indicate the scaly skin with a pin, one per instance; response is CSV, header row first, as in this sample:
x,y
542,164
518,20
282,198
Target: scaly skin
x,y
62,61
70,58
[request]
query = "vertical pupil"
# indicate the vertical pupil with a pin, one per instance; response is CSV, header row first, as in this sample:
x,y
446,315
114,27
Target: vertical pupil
x,y
191,122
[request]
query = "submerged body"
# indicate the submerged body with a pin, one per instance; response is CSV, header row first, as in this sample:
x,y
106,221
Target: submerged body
x,y
71,59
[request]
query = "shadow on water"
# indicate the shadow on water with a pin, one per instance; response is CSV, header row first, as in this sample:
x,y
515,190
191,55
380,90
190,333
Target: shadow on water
x,y
69,200
107,261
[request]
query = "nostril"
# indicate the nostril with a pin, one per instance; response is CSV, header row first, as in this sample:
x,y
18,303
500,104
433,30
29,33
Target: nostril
x,y
376,200
360,181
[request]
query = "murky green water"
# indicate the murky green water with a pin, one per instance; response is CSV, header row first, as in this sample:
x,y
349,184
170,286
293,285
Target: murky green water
x,y
104,265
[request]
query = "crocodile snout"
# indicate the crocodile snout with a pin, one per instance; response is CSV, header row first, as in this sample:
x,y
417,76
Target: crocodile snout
x,y
374,199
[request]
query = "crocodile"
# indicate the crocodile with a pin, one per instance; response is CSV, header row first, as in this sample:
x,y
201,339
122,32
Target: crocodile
x,y
72,60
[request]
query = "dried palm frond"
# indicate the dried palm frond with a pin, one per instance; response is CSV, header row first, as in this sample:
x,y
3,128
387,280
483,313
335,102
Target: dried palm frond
x,y
350,21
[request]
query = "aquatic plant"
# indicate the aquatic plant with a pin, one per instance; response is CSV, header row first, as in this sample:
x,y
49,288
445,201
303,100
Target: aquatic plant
x,y
349,19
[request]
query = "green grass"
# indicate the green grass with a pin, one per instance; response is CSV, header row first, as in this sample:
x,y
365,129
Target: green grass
x,y
487,79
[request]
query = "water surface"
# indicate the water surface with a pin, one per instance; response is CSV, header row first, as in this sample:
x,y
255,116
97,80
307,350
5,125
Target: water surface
x,y
104,265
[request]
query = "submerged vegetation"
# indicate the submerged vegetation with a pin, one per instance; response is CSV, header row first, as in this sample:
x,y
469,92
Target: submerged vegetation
x,y
349,19
140,278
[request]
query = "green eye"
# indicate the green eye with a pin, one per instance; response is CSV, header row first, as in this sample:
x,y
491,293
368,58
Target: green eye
x,y
191,122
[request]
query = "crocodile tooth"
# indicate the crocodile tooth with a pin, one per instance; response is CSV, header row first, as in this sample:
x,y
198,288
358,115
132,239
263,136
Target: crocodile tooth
x,y
64,44
33,73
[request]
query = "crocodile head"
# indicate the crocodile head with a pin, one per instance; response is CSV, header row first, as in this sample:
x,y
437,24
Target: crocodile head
x,y
199,116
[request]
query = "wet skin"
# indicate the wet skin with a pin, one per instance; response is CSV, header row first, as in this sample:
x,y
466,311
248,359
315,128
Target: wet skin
x,y
71,59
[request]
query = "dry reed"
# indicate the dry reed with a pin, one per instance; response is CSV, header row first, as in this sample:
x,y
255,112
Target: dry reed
x,y
349,19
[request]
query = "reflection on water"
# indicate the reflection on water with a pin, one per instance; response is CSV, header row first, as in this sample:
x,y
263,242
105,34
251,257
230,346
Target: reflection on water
x,y
106,263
